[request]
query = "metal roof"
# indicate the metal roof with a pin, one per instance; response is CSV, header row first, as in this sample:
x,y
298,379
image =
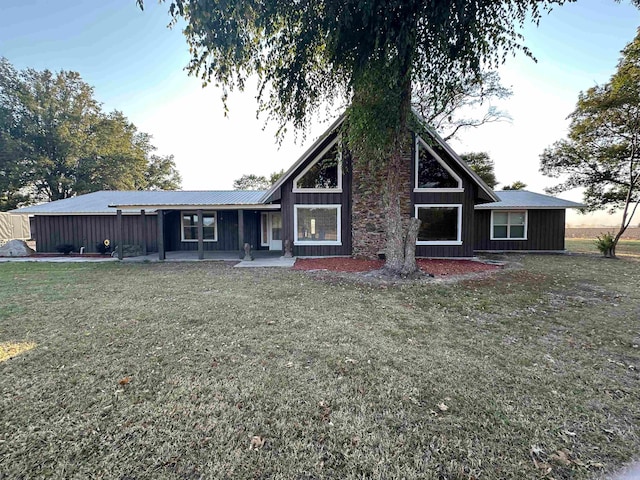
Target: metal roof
x,y
99,202
525,199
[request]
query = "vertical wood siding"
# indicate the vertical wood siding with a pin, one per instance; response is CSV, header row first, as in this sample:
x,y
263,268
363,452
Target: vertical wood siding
x,y
467,199
545,231
289,199
227,225
88,230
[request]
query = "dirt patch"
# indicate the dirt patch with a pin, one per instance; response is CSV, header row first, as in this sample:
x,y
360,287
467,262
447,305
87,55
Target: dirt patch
x,y
438,268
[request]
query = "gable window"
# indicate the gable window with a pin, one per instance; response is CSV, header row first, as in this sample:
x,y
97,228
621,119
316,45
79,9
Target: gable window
x,y
190,227
432,173
510,225
317,225
439,224
324,173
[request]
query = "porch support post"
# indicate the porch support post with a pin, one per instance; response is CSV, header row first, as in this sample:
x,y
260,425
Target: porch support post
x,y
120,228
143,218
161,250
200,236
240,230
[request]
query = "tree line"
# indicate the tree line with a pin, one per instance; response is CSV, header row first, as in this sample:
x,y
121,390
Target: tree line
x,y
57,142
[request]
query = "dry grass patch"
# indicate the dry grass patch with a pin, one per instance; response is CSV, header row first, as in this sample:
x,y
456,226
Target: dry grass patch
x,y
205,371
9,350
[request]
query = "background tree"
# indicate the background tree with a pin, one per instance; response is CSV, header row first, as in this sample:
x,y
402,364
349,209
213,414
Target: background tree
x,y
256,182
366,53
517,185
456,108
482,165
602,151
55,141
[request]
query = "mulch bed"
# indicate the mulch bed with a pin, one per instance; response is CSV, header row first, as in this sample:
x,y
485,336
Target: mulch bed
x,y
439,268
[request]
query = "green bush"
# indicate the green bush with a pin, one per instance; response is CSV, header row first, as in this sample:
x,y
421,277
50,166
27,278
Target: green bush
x,y
606,244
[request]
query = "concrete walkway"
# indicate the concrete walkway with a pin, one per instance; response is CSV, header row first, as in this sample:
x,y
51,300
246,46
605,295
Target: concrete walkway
x,y
262,259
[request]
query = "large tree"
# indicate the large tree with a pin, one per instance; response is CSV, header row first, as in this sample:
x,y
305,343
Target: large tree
x,y
481,163
602,151
56,142
371,54
256,182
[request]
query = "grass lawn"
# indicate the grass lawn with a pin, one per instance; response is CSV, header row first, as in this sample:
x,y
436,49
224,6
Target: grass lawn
x,y
587,245
186,371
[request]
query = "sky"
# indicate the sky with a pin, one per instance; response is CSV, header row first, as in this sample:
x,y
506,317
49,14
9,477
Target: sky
x,y
136,64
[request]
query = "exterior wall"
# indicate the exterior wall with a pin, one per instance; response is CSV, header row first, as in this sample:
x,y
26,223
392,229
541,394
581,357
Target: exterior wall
x,y
88,230
227,225
545,231
466,199
289,199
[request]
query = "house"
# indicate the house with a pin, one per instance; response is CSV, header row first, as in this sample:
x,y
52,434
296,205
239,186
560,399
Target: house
x,y
321,206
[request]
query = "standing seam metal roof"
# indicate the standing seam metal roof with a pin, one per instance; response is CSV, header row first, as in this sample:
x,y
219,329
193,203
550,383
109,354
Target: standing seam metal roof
x,y
526,199
98,202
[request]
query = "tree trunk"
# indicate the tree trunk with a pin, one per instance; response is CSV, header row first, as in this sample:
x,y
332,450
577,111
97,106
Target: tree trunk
x,y
401,232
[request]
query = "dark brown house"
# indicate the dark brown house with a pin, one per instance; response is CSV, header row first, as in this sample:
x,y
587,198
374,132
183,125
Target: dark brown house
x,y
320,206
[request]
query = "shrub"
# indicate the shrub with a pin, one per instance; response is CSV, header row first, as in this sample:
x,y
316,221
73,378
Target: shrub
x,y
65,248
606,244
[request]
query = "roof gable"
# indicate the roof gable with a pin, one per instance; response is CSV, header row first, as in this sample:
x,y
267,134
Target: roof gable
x,y
310,153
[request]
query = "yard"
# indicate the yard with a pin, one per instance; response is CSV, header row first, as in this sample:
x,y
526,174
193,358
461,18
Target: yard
x,y
152,371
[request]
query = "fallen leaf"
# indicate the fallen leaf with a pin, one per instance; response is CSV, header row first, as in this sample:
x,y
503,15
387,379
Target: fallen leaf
x,y
125,381
257,442
561,457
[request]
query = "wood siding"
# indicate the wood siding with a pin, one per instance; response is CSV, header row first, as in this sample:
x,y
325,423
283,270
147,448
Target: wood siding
x,y
88,230
289,199
226,225
467,199
545,231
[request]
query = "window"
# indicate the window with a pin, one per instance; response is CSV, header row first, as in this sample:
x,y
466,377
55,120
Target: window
x,y
190,227
324,173
432,173
439,224
508,225
317,225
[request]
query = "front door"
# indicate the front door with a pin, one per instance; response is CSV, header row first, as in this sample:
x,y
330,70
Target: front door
x,y
271,230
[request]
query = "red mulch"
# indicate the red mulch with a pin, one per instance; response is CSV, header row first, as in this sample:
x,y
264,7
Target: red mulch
x,y
433,266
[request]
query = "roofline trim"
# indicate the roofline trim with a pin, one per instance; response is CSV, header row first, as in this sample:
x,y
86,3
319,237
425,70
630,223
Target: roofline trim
x,y
205,206
527,207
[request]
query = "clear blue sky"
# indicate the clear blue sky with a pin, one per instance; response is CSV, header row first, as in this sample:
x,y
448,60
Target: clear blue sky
x,y
136,65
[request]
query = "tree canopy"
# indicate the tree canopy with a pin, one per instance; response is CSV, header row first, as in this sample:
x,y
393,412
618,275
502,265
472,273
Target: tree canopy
x,y
256,182
517,185
602,151
481,163
56,142
369,54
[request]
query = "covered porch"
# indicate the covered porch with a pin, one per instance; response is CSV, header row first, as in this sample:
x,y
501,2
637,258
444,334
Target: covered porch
x,y
206,232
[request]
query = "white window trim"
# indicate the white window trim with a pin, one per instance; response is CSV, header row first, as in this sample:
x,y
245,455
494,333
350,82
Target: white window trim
x,y
297,189
508,237
441,162
458,241
182,225
337,207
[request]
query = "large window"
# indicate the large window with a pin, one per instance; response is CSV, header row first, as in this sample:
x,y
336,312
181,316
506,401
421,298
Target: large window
x,y
317,225
432,173
324,173
439,224
190,227
508,225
